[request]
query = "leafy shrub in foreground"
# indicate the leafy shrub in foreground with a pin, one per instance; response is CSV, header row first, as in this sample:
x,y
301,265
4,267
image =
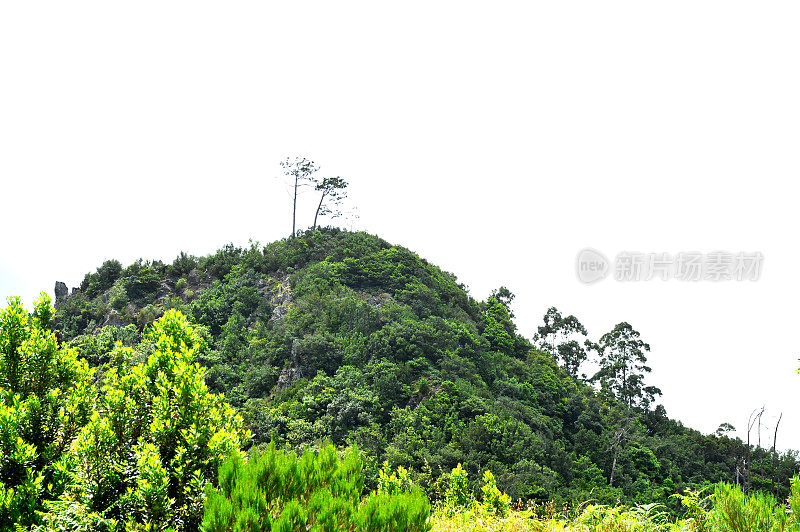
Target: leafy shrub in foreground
x,y
156,436
458,494
277,490
736,511
494,500
44,400
398,504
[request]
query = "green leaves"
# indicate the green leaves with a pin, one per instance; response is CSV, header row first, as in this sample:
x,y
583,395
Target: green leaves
x,y
277,490
45,396
157,435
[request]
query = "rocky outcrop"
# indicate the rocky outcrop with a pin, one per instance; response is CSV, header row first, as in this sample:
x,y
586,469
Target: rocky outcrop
x,y
62,292
281,299
293,372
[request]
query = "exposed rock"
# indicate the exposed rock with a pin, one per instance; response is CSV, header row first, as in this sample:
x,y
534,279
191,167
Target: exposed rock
x,y
114,318
61,293
165,290
293,372
377,300
281,300
288,376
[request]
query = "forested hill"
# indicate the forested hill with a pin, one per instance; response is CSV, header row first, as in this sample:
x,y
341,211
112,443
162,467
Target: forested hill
x,y
341,336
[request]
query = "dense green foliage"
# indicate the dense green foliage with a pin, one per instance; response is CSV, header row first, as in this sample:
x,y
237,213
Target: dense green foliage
x,y
342,337
155,437
277,490
726,509
45,396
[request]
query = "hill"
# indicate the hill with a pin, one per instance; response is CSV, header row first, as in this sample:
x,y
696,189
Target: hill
x,y
341,336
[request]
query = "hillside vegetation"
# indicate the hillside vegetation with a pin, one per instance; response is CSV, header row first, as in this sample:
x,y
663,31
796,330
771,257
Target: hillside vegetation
x,y
342,337
332,381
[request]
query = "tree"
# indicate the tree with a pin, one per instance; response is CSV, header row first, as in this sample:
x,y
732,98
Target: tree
x,y
332,191
556,337
45,396
623,364
300,171
504,296
723,429
156,437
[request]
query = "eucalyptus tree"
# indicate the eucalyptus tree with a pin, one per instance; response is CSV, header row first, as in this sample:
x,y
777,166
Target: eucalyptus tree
x,y
623,365
557,336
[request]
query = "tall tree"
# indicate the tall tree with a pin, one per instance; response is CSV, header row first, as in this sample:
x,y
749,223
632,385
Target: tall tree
x,y
504,296
623,365
333,190
300,172
557,336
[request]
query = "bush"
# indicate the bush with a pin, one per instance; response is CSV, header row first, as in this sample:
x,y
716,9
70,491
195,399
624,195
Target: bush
x,y
156,436
736,511
181,284
44,400
458,494
183,264
494,500
118,296
277,490
407,511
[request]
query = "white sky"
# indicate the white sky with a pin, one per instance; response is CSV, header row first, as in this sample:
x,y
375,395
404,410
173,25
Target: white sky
x,y
495,141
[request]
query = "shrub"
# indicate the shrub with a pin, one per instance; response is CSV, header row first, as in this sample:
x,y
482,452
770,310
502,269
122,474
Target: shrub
x,y
44,400
183,264
494,500
397,504
156,436
118,297
277,490
736,511
181,284
407,511
458,494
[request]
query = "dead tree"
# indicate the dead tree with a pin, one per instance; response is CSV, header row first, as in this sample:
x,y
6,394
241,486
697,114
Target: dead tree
x,y
774,456
751,421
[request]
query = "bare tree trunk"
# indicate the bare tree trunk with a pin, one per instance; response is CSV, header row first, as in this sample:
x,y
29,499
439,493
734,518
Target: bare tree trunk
x,y
774,463
747,459
316,214
750,422
613,467
294,206
615,446
761,455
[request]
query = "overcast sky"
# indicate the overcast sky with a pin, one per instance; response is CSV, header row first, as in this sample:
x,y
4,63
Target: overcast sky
x,y
495,139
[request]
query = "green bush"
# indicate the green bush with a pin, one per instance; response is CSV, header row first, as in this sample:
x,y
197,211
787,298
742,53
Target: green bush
x,y
45,394
118,296
407,511
736,511
494,500
277,490
180,284
156,436
458,494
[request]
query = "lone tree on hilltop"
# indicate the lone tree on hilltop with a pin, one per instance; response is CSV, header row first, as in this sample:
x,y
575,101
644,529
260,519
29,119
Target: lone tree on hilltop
x,y
300,171
333,191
